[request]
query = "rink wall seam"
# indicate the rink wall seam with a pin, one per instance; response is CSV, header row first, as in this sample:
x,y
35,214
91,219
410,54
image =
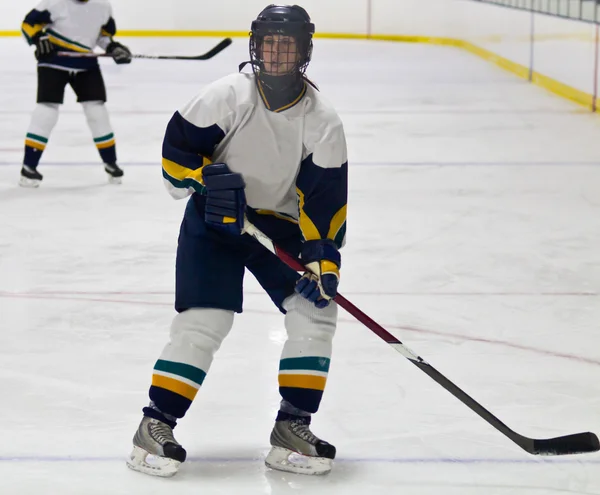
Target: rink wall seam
x,y
554,86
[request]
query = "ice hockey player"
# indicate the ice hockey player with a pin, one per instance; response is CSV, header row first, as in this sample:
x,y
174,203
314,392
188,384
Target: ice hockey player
x,y
77,26
268,146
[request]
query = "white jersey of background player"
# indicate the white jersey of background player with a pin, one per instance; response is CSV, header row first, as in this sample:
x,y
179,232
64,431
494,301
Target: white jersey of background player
x,y
268,146
70,26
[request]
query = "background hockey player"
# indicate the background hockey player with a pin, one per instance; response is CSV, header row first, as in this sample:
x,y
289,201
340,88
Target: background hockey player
x,y
70,25
278,154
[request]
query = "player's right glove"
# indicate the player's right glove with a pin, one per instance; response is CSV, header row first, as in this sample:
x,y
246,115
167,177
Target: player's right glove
x,y
320,285
44,48
120,53
225,198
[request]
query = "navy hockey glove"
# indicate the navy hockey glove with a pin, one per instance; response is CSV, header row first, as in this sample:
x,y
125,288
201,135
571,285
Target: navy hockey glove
x,y
44,48
323,259
225,198
120,53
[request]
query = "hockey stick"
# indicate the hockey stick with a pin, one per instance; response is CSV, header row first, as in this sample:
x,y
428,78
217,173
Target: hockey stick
x,y
577,443
205,56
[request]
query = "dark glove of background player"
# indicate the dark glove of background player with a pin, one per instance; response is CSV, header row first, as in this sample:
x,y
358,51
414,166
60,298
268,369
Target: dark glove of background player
x,y
120,53
44,48
225,198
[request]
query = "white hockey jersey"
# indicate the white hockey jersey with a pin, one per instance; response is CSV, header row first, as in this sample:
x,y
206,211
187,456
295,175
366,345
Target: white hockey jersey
x,y
293,159
72,26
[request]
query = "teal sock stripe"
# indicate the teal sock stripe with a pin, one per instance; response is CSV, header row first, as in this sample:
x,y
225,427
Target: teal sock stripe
x,y
37,138
305,363
180,369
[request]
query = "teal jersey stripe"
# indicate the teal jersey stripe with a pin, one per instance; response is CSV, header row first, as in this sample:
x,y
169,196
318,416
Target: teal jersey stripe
x,y
67,40
108,137
305,363
339,237
180,369
37,138
184,184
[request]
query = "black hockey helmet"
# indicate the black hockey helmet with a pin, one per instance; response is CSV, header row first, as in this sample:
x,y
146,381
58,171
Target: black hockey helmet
x,y
284,20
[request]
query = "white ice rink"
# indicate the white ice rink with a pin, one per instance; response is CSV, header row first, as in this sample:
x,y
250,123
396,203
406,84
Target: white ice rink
x,y
473,236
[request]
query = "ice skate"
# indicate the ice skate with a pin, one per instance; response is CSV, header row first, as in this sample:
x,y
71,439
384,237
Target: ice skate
x,y
296,450
30,177
155,450
115,173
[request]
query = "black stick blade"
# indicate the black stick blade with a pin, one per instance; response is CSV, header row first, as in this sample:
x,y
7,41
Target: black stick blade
x,y
216,50
579,443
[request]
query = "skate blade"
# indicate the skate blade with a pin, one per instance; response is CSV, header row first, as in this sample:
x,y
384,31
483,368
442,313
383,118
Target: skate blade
x,y
154,465
114,180
289,461
31,183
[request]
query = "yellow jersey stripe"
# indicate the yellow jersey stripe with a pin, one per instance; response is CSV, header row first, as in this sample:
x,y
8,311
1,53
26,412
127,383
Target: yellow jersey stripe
x,y
175,386
308,228
30,30
67,45
337,222
181,173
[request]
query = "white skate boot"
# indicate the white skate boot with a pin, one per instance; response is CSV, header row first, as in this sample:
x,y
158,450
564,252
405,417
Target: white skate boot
x,y
296,450
155,450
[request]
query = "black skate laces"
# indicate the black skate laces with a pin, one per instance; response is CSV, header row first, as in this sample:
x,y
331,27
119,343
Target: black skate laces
x,y
161,432
300,428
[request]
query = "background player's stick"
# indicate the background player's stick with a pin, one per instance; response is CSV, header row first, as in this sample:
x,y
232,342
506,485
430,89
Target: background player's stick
x,y
205,56
569,444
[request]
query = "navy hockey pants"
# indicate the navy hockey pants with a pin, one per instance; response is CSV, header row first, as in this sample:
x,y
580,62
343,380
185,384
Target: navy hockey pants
x,y
210,264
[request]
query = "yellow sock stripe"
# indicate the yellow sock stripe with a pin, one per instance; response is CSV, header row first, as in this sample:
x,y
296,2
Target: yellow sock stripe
x,y
35,144
303,381
308,228
175,386
107,144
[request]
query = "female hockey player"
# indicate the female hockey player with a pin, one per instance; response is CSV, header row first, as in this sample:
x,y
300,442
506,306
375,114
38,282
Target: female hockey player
x,y
268,146
70,25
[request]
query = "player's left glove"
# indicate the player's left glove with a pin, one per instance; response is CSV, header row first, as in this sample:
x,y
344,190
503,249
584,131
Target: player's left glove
x,y
323,258
120,53
225,198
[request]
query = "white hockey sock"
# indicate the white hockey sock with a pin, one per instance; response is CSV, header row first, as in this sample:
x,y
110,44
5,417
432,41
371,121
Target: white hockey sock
x,y
196,334
43,120
310,330
306,355
99,123
97,118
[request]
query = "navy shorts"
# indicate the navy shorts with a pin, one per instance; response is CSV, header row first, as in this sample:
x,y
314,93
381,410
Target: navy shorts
x,y
88,85
210,264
